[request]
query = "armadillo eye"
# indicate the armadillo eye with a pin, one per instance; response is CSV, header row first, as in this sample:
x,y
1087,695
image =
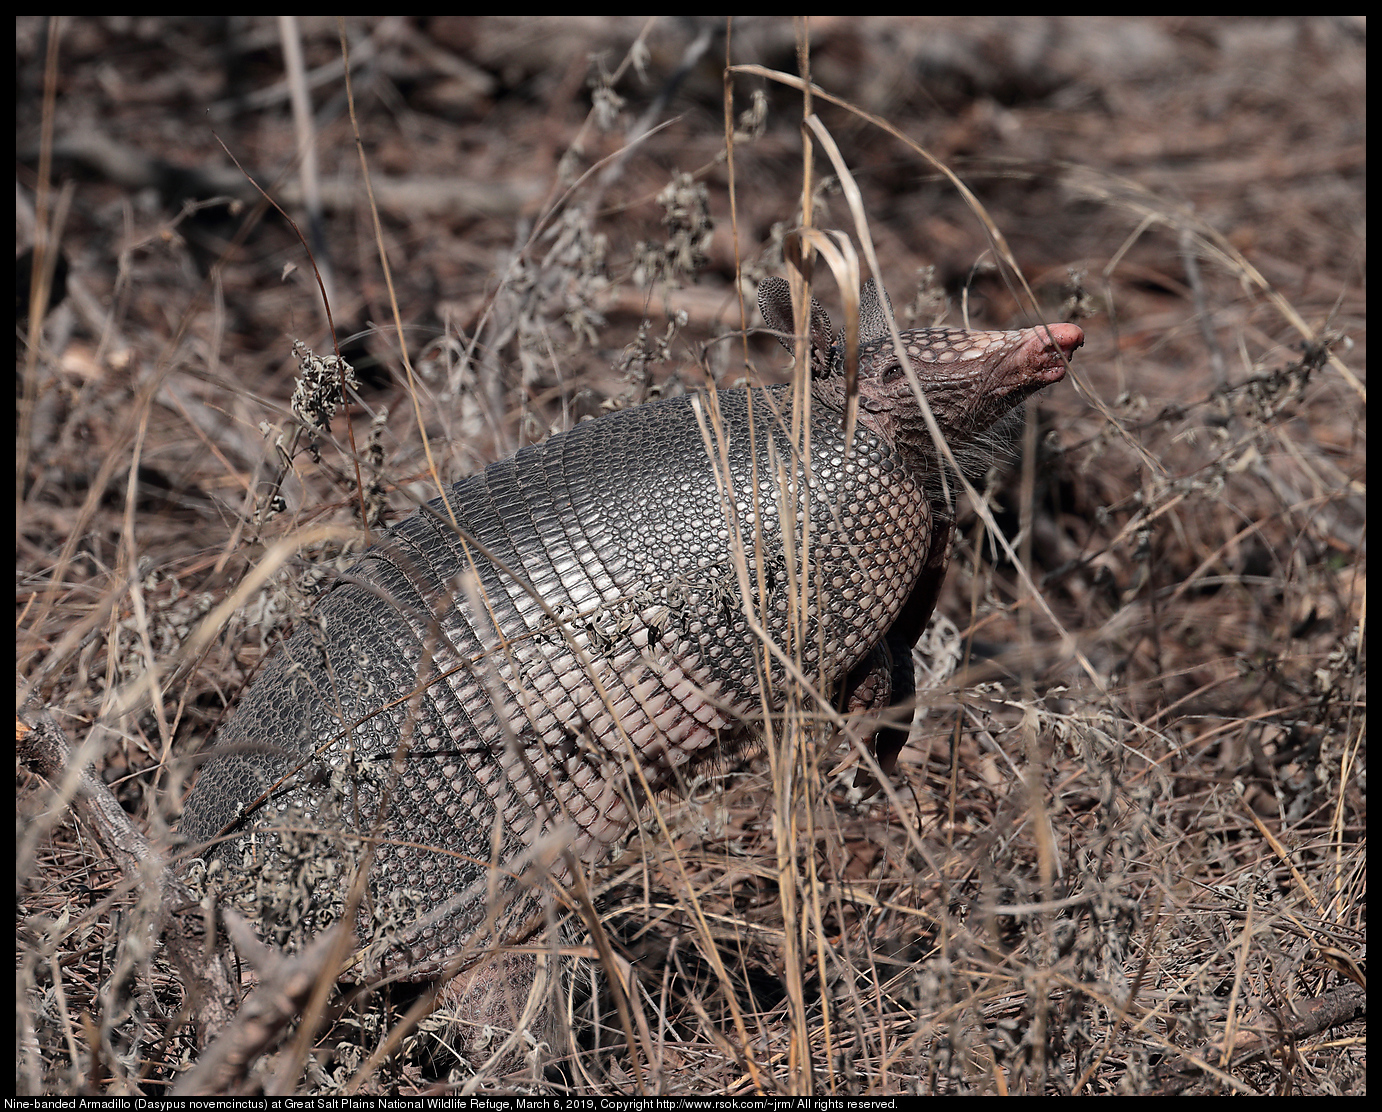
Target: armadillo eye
x,y
891,373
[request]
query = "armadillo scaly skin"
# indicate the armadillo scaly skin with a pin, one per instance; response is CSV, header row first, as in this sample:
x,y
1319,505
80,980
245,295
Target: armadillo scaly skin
x,y
505,662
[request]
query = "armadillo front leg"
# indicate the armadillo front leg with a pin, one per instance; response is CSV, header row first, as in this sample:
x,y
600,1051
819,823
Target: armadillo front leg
x,y
886,678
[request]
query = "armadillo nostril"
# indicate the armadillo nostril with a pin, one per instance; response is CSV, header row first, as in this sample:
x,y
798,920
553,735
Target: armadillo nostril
x,y
1067,336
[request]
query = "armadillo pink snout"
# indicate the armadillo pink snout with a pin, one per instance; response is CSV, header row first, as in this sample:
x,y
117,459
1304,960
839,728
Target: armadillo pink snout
x,y
1067,336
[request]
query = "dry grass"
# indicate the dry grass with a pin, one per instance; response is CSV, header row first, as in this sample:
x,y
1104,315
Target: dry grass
x,y
1125,851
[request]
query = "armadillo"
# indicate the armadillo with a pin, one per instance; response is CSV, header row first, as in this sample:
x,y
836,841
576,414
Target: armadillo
x,y
589,620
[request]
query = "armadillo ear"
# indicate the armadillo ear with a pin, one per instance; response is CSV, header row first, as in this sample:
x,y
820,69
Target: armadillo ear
x,y
873,319
775,303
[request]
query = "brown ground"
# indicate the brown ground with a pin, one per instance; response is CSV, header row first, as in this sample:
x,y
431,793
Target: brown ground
x,y
1144,868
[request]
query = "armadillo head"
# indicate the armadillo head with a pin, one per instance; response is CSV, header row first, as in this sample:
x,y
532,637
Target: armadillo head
x,y
970,379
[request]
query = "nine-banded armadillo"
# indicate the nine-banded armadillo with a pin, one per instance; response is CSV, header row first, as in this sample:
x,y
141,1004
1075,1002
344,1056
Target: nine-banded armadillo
x,y
584,622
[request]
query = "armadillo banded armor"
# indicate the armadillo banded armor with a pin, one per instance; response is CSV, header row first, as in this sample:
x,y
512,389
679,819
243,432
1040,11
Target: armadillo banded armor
x,y
435,648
